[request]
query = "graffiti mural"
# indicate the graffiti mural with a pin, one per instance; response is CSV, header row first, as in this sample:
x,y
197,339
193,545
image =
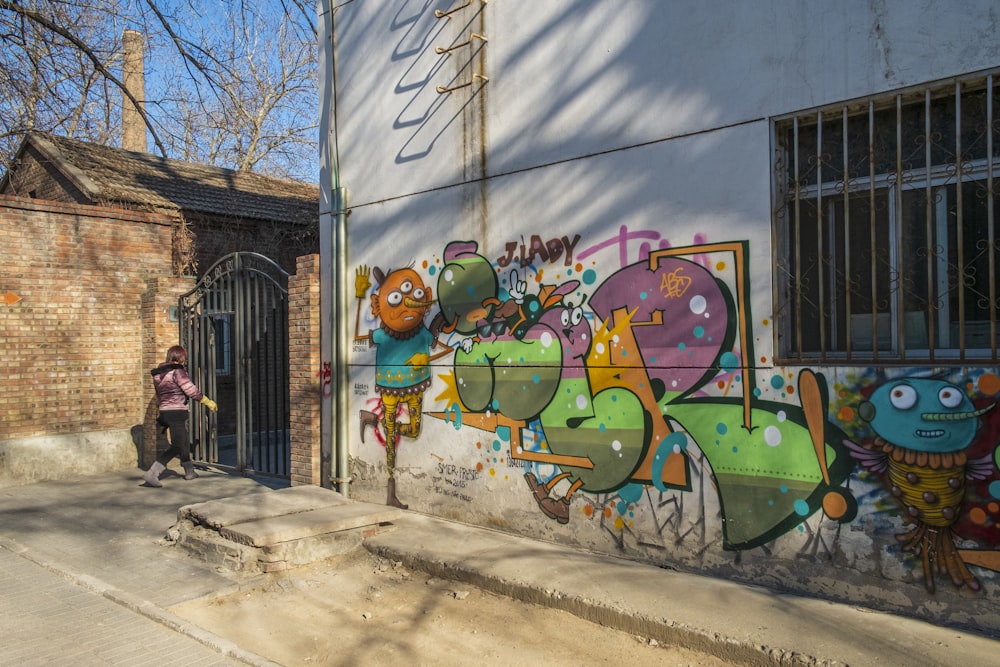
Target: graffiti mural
x,y
600,390
610,391
926,452
403,354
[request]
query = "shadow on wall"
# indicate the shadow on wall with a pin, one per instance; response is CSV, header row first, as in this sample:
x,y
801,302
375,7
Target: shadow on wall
x,y
136,432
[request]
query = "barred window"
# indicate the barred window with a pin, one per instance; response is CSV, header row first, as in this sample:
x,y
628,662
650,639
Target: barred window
x,y
886,230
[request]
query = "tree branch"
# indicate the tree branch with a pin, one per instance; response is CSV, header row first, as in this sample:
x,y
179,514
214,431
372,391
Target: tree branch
x,y
48,24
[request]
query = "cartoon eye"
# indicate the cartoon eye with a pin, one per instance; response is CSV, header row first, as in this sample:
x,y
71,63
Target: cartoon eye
x,y
418,294
564,317
394,298
576,316
903,396
406,287
950,397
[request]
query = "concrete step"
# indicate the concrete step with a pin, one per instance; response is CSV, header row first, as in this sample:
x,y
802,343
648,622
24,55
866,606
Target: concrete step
x,y
278,530
280,502
288,527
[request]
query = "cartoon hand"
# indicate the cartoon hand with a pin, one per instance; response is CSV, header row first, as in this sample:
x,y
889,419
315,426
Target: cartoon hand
x,y
467,345
361,281
518,287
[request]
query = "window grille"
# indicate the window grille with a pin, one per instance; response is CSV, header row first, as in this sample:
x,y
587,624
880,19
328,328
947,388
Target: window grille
x,y
886,231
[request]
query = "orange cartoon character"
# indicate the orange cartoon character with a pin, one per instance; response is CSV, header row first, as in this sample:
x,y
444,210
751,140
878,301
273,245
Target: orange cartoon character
x,y
403,347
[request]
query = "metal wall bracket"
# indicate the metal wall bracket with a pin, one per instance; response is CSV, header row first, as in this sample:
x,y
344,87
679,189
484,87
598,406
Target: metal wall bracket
x,y
443,15
475,35
444,89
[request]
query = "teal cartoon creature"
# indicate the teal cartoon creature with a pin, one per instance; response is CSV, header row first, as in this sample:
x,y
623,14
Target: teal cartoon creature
x,y
923,427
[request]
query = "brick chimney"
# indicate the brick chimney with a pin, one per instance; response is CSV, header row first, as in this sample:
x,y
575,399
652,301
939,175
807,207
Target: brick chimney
x,y
133,76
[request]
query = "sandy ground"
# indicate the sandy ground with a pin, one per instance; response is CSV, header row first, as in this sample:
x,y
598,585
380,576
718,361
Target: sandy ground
x,y
360,609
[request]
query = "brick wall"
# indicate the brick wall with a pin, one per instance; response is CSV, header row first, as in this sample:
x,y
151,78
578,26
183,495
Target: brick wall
x,y
95,315
73,345
32,179
215,238
305,383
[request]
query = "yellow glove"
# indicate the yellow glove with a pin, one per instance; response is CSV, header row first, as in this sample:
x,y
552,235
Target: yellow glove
x,y
361,281
209,403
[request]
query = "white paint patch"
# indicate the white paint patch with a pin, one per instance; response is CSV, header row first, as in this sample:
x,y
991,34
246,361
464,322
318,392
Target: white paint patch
x,y
698,304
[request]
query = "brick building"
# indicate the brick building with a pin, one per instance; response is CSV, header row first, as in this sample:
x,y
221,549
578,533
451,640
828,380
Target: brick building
x,y
99,243
215,211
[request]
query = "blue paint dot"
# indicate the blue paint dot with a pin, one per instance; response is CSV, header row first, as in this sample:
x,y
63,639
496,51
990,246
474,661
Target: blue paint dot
x,y
432,270
614,398
735,449
503,432
995,489
643,296
757,392
698,331
589,277
682,346
495,404
729,362
777,382
602,428
535,378
783,488
496,445
801,507
622,507
533,306
721,428
631,493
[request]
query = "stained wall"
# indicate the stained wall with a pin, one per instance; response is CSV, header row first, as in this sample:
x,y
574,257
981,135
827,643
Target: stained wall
x,y
574,200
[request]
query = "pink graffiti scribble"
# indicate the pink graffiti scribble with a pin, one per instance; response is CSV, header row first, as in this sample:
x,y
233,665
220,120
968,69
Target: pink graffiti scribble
x,y
622,239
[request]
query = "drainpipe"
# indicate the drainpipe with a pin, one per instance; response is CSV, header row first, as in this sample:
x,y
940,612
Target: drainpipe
x,y
343,473
334,466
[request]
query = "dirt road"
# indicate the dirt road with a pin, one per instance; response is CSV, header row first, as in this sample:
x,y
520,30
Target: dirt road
x,y
360,609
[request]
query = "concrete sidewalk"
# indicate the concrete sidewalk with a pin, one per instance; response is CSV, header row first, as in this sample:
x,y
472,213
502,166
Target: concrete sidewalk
x,y
90,554
87,576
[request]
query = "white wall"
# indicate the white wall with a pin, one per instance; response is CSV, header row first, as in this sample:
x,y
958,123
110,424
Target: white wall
x,y
600,119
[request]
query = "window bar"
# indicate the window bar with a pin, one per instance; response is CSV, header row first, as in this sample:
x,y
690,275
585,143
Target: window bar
x,y
798,241
990,213
819,236
847,235
960,241
932,296
871,234
898,303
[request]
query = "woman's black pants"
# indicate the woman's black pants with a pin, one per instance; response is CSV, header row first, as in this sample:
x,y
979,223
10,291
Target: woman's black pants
x,y
176,423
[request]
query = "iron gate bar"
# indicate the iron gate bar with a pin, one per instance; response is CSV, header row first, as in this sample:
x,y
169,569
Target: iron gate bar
x,y
242,299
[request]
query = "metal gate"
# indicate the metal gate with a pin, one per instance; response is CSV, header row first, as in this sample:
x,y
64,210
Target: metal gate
x,y
234,324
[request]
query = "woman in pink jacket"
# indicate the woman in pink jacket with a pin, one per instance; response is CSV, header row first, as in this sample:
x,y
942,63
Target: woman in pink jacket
x,y
174,389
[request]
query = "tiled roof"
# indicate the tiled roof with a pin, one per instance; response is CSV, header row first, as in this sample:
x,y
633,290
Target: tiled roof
x,y
142,180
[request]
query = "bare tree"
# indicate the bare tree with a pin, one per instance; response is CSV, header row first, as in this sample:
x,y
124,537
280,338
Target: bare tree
x,y
232,84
